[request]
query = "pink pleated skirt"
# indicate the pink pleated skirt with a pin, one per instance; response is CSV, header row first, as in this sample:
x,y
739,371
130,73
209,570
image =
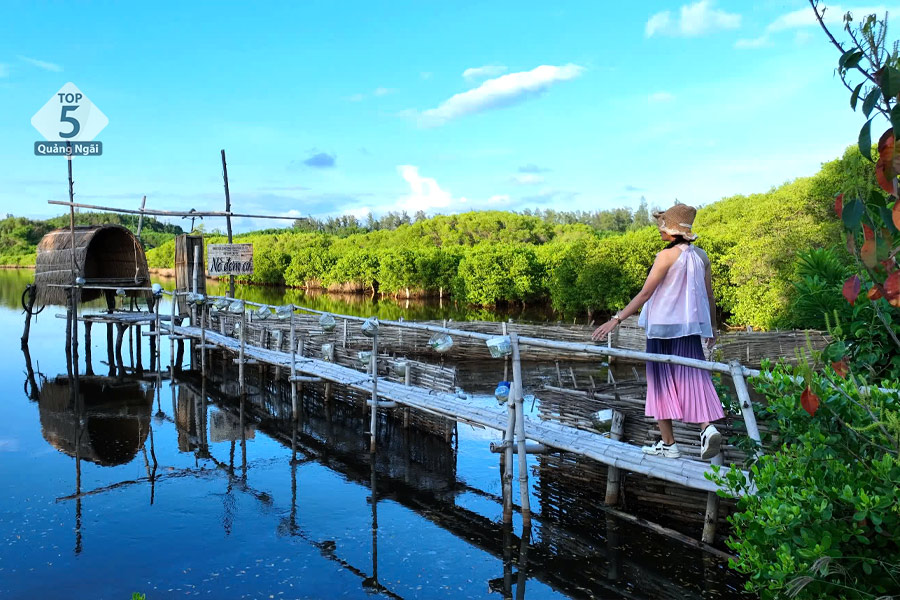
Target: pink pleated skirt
x,y
677,392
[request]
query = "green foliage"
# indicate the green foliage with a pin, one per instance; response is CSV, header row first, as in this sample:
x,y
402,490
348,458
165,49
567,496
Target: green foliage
x,y
489,274
19,236
823,519
138,596
752,242
820,274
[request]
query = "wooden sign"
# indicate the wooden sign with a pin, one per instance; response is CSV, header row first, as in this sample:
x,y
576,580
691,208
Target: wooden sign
x,y
229,259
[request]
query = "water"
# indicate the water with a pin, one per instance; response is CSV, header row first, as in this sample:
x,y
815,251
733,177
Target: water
x,y
182,491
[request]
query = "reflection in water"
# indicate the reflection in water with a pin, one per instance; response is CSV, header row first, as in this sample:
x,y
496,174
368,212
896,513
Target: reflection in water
x,y
114,423
573,548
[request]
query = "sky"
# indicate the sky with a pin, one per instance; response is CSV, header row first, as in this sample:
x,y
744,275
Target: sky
x,y
329,108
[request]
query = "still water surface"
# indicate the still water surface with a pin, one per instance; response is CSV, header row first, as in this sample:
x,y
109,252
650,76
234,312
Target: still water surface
x,y
158,489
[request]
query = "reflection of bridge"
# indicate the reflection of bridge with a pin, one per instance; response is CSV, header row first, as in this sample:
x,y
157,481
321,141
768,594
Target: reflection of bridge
x,y
415,468
418,470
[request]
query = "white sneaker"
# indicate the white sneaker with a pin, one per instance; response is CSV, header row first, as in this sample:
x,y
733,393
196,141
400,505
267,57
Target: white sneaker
x,y
710,441
661,449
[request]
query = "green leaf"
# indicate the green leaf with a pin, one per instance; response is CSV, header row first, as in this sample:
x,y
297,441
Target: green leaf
x,y
895,120
842,61
854,97
871,101
890,82
853,60
865,141
887,217
853,212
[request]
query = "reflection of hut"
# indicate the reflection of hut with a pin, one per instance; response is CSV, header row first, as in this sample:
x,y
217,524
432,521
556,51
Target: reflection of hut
x,y
105,255
115,423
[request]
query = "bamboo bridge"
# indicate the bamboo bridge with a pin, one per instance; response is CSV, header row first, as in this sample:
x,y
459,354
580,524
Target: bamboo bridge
x,y
286,341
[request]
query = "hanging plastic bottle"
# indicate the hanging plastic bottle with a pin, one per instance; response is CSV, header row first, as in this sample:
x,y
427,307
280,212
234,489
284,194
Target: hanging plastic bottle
x,y
501,393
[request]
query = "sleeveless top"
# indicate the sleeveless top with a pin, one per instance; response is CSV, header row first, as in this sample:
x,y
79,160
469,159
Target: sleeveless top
x,y
679,306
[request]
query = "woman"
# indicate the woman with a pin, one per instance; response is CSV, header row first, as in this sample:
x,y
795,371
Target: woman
x,y
680,309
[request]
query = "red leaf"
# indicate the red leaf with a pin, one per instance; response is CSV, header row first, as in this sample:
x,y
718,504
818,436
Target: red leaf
x,y
809,401
892,288
895,214
840,368
868,250
874,292
839,205
851,289
884,166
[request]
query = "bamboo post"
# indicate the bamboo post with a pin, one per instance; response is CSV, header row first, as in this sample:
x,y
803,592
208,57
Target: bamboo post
x,y
195,283
69,331
227,218
202,310
740,386
525,501
241,355
504,330
344,341
31,293
374,418
293,371
120,336
712,508
612,475
558,374
138,349
508,439
407,380
141,218
172,337
156,342
88,367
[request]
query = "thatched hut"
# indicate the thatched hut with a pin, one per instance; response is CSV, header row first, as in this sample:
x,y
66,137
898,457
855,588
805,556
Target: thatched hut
x,y
105,255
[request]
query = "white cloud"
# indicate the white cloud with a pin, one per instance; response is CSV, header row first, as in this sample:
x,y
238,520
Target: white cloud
x,y
693,20
424,192
748,44
41,64
382,91
527,179
4,70
660,97
499,93
485,72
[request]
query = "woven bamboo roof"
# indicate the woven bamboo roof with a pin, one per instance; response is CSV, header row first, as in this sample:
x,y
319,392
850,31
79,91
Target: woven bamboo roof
x,y
108,255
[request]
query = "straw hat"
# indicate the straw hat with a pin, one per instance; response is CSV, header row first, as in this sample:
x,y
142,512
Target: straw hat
x,y
677,221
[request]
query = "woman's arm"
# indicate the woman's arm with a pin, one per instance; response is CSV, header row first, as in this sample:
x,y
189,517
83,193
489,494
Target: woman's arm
x,y
661,265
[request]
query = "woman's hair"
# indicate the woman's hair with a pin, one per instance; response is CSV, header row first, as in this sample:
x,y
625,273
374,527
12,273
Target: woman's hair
x,y
679,239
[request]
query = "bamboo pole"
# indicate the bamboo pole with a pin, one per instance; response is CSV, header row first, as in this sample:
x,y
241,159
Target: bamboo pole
x,y
374,418
241,356
740,386
525,501
508,439
171,213
202,310
613,484
141,218
293,358
88,367
228,217
711,518
172,337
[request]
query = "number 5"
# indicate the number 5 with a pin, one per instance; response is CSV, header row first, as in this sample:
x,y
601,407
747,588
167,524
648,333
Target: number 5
x,y
64,118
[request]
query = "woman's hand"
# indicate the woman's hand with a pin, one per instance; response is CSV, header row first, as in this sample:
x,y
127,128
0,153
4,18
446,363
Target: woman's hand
x,y
710,343
601,332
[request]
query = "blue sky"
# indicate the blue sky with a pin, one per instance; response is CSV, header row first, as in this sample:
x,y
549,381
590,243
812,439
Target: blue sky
x,y
349,107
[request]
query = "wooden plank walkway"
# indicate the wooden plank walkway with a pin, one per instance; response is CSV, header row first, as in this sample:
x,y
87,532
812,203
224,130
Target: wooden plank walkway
x,y
689,473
